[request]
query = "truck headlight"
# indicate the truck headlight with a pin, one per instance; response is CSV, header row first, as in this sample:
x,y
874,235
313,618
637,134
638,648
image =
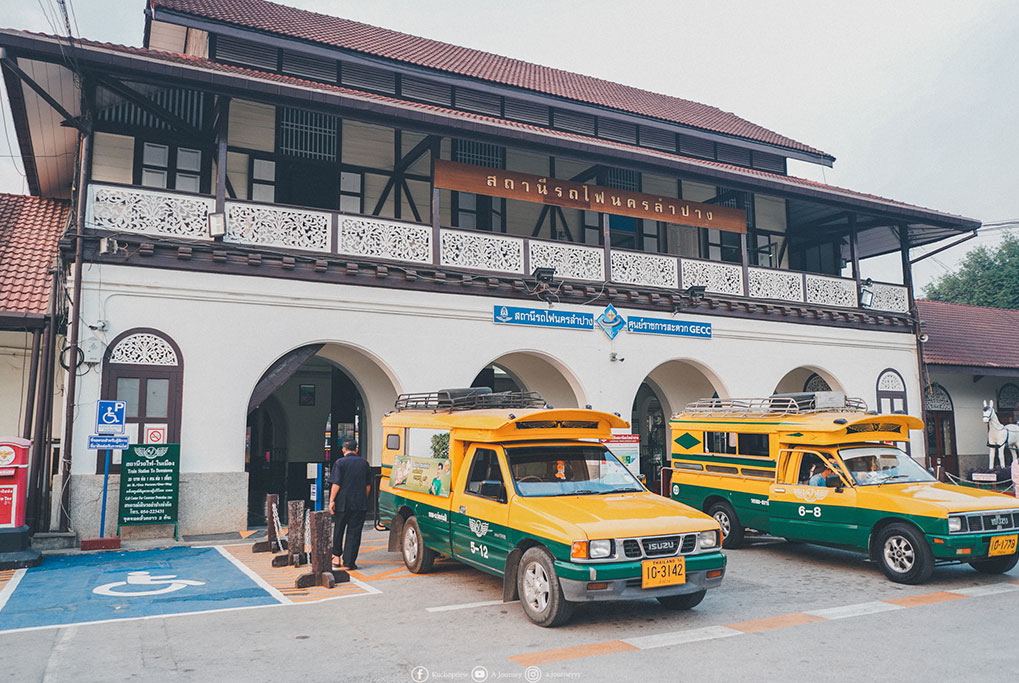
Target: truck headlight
x,y
707,539
954,524
599,549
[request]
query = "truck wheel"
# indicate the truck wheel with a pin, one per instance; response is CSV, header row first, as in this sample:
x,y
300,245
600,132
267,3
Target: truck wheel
x,y
682,601
998,565
416,556
541,596
732,530
904,554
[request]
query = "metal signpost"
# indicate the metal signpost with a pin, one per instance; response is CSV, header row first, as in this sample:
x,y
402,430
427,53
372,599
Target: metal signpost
x,y
111,417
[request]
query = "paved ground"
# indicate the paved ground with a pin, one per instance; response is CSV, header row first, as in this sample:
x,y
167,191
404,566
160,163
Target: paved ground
x,y
785,612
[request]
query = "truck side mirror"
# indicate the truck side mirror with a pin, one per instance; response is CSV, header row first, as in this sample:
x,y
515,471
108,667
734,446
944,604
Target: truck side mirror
x,y
834,481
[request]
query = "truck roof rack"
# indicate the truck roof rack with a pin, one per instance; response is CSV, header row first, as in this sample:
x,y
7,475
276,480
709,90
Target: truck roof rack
x,y
778,404
471,398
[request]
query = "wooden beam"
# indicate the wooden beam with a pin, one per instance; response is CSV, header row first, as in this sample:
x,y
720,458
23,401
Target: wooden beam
x,y
144,103
222,126
69,119
401,167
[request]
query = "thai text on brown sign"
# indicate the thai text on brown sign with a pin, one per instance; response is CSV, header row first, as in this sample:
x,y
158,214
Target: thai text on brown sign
x,y
496,182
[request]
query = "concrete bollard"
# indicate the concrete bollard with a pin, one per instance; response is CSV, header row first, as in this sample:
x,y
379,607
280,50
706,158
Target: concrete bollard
x,y
295,537
272,544
322,573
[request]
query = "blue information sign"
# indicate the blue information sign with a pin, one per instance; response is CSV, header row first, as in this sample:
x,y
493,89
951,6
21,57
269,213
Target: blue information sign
x,y
106,442
676,328
110,417
542,317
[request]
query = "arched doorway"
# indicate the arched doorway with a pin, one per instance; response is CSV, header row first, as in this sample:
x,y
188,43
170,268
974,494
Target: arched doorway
x,y
940,421
300,411
533,371
807,379
665,391
497,378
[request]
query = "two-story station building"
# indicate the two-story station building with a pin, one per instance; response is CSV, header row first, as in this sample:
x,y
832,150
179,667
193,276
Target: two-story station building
x,y
283,219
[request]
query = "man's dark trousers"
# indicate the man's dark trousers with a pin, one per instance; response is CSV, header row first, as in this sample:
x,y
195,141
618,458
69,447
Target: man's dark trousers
x,y
351,521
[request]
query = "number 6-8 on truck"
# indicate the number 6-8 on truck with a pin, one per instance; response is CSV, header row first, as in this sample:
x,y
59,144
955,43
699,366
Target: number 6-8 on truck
x,y
510,486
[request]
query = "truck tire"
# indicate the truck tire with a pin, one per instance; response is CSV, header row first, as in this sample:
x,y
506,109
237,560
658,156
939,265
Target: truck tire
x,y
904,555
998,565
416,555
541,595
679,602
732,530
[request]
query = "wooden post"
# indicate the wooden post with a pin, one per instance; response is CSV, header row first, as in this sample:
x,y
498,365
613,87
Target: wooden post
x,y
272,544
322,573
295,537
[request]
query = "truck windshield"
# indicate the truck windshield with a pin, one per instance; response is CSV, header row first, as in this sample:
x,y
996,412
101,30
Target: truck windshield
x,y
568,471
873,465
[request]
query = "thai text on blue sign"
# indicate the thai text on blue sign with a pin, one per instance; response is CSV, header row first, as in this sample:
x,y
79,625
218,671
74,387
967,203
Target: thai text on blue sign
x,y
107,442
677,328
542,317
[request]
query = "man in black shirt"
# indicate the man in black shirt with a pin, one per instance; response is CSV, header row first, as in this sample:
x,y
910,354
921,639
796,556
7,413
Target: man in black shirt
x,y
348,503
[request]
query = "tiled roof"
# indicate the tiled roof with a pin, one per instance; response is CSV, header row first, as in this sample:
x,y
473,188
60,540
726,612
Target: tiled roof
x,y
29,230
470,63
960,334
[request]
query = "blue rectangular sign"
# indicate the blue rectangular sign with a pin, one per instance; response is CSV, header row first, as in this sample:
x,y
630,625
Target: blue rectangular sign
x,y
107,442
676,328
110,417
542,317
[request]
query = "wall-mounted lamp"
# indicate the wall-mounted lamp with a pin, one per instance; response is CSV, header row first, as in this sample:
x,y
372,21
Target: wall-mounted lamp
x,y
543,275
867,293
695,292
217,224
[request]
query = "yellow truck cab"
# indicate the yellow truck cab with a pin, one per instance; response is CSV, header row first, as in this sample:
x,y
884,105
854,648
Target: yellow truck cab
x,y
819,468
513,487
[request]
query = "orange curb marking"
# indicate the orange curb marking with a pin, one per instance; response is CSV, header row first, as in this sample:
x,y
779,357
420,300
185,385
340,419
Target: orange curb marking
x,y
925,599
771,623
575,652
247,534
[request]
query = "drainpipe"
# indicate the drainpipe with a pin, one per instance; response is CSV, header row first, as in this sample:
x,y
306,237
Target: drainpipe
x,y
72,377
45,474
33,382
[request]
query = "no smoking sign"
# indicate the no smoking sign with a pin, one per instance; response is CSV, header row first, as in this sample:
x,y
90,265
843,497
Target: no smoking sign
x,y
155,435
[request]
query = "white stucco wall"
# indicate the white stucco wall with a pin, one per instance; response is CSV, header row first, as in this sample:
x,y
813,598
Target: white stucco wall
x,y
230,329
967,402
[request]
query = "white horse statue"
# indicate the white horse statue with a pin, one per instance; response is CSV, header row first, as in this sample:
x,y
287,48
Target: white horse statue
x,y
999,437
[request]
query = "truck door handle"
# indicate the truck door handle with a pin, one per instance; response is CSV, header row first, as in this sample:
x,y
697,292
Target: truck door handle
x,y
779,490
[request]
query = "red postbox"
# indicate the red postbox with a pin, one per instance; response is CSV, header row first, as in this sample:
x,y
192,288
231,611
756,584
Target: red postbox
x,y
13,481
15,550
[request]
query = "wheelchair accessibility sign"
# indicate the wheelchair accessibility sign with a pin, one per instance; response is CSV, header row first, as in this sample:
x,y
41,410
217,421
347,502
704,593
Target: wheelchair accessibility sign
x,y
78,589
110,417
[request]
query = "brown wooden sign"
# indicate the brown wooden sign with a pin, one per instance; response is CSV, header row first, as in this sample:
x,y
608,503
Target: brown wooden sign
x,y
496,182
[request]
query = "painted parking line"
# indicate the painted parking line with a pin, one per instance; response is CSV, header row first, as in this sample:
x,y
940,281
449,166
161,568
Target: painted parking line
x,y
77,589
467,605
756,626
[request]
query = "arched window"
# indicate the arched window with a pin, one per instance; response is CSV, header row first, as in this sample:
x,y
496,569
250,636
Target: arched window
x,y
940,421
891,395
145,369
1008,401
816,383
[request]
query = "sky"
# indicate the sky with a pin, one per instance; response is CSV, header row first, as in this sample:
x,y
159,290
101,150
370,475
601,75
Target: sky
x,y
917,100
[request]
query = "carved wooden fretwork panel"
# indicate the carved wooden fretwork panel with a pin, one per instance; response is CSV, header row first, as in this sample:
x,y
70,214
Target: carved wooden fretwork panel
x,y
816,383
890,298
890,381
831,291
644,269
287,228
721,278
149,212
775,284
570,261
482,251
144,349
385,239
938,399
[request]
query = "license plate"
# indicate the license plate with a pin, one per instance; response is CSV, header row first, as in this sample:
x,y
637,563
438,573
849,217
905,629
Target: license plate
x,y
669,571
1003,545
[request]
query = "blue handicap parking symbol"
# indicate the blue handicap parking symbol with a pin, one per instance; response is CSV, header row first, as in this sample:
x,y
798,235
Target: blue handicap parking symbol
x,y
74,589
110,417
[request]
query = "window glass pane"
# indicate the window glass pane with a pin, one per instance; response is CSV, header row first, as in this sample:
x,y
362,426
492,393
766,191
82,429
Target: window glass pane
x,y
350,182
187,182
152,178
263,193
189,160
350,203
467,220
467,201
651,243
155,155
263,169
157,392
127,391
591,218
